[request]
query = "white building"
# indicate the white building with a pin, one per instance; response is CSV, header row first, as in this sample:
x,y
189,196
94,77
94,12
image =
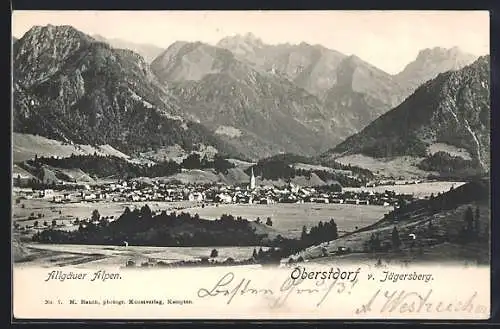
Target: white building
x,y
224,198
196,196
91,196
47,193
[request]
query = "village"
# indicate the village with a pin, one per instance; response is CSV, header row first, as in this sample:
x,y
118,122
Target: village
x,y
154,190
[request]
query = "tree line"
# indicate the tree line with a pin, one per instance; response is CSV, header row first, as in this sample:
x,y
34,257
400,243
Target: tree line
x,y
108,165
450,166
274,169
144,227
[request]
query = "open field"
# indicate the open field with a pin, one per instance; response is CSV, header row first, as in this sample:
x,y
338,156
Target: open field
x,y
447,222
405,167
25,146
68,212
289,218
418,190
50,255
450,149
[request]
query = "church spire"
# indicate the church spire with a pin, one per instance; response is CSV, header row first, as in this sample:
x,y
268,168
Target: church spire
x,y
252,179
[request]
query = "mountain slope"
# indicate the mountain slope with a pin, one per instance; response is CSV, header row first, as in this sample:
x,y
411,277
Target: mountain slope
x,y
254,110
429,63
147,51
311,67
453,108
361,94
354,91
69,87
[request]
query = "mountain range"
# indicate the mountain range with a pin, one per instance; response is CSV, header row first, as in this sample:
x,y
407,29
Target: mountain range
x,y
353,91
242,97
452,109
253,110
70,87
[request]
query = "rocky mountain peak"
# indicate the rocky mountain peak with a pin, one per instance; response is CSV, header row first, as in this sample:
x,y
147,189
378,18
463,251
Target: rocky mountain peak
x,y
437,53
43,49
429,63
248,38
241,44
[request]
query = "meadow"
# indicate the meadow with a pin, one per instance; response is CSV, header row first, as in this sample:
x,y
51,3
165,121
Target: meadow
x,y
51,255
66,213
420,190
289,219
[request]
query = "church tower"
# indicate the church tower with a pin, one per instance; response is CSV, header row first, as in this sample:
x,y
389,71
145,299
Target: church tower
x,y
252,181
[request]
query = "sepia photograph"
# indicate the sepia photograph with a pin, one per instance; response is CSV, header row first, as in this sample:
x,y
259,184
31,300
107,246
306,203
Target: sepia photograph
x,y
155,144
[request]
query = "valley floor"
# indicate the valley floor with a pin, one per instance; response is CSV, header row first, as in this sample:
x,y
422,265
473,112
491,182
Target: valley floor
x,y
356,223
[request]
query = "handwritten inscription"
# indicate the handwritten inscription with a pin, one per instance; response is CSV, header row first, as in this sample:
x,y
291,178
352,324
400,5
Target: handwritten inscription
x,y
402,301
230,287
225,287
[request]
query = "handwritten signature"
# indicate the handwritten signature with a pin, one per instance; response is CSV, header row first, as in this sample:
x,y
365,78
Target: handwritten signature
x,y
230,287
402,301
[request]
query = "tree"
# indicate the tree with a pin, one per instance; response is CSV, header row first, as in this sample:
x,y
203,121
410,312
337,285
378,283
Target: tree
x,y
303,235
18,180
334,234
469,219
476,222
269,222
35,223
254,254
371,243
45,223
192,161
214,253
146,212
54,222
260,253
396,241
95,215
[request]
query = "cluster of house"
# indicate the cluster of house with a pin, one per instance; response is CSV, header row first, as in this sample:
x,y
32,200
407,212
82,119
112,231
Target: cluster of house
x,y
393,182
297,194
130,191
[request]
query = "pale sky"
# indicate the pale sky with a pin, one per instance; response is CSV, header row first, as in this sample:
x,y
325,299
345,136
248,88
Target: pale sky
x,y
386,39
